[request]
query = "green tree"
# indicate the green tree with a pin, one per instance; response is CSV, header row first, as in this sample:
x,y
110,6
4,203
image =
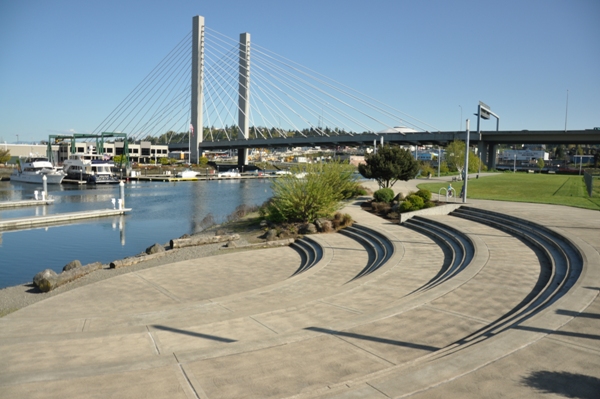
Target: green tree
x,y
118,159
455,157
165,161
390,164
540,164
4,155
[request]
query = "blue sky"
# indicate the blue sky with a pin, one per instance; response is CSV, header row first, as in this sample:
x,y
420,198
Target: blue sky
x,y
66,64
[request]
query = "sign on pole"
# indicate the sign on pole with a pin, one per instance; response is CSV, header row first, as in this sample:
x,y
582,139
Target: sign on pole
x,y
484,110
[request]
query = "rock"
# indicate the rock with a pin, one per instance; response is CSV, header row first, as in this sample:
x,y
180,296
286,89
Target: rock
x,y
264,223
308,228
231,244
326,227
71,265
323,225
285,234
44,280
154,249
49,280
271,235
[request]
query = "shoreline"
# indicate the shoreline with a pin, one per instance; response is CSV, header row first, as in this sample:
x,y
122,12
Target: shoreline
x,y
17,297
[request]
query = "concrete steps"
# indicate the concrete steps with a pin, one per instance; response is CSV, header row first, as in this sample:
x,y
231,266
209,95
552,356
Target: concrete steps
x,y
386,310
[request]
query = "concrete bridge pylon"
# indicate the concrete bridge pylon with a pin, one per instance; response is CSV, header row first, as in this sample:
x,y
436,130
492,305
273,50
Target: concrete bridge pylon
x,y
196,117
244,96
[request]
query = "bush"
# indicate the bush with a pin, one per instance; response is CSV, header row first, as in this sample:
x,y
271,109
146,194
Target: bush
x,y
340,221
425,194
444,169
416,201
429,204
427,169
380,207
383,195
318,194
405,206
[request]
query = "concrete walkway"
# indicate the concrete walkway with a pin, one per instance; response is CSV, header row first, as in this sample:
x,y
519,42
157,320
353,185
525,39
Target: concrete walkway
x,y
238,326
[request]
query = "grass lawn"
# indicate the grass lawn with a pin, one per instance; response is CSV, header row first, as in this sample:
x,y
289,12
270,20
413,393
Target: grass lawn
x,y
524,187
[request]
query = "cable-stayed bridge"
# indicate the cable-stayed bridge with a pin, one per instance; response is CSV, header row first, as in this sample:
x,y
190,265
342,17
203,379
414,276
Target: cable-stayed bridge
x,y
244,96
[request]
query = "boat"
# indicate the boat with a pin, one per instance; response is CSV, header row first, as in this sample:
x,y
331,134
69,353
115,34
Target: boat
x,y
187,173
230,173
89,167
33,169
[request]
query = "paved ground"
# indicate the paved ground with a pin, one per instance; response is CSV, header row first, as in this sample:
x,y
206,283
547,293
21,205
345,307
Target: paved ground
x,y
237,325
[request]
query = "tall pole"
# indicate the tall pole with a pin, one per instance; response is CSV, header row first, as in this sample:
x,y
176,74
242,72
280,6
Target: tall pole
x,y
439,159
567,110
464,190
244,97
480,146
196,122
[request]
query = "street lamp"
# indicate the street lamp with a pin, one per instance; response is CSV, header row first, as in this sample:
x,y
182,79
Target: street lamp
x,y
466,176
484,111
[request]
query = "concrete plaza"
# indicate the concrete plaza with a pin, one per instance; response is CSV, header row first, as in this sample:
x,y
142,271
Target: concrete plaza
x,y
241,325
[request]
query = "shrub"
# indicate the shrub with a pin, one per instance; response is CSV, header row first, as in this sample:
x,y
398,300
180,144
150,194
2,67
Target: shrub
x,y
444,167
384,195
380,207
429,204
405,206
426,169
416,201
425,194
318,194
340,221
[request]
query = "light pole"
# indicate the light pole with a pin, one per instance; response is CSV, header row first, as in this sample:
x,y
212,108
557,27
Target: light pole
x,y
484,111
439,159
465,179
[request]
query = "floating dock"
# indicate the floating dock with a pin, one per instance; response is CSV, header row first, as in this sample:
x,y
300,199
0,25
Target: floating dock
x,y
170,178
19,204
35,221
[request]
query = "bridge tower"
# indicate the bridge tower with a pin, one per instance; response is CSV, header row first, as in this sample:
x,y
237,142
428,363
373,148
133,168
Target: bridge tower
x,y
244,97
196,122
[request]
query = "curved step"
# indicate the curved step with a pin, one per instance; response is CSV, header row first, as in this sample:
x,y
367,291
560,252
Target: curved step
x,y
378,246
564,260
456,242
310,251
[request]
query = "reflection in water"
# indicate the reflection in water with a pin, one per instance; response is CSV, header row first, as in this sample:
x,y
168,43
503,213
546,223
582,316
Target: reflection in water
x,y
160,212
121,222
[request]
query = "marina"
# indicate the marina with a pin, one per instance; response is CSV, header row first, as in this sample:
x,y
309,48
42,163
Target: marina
x,y
160,211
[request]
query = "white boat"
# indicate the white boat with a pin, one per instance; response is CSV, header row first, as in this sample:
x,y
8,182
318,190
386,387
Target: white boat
x,y
33,170
187,173
93,168
230,173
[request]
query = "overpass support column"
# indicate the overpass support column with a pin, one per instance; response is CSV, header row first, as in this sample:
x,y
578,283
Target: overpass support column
x,y
196,122
244,97
491,158
482,152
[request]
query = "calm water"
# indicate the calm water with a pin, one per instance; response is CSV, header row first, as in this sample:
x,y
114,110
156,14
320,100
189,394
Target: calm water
x,y
160,212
